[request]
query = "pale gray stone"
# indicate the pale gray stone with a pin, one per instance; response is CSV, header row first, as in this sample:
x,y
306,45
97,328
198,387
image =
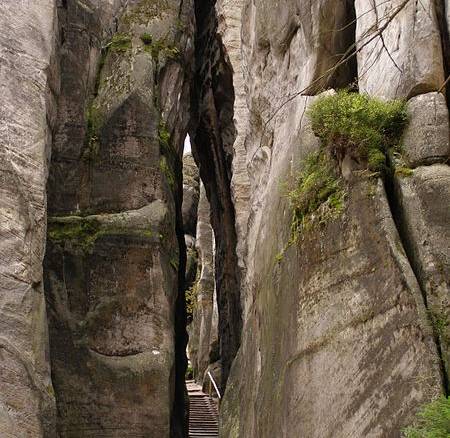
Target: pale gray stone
x,y
424,214
399,48
426,138
27,112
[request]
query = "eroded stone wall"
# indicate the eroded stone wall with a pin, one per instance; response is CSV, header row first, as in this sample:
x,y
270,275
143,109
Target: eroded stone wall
x,y
339,327
115,258
29,82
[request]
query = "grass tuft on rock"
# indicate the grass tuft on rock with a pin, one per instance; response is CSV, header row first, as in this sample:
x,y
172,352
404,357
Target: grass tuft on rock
x,y
120,42
356,124
347,124
318,194
147,39
433,421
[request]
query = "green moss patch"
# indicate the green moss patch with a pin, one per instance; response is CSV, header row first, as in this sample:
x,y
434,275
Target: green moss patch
x,y
92,145
433,421
159,47
84,231
167,171
164,138
120,42
318,194
356,124
146,11
147,39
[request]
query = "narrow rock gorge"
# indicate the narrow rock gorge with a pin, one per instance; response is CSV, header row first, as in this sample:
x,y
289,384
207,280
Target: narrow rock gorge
x,y
124,258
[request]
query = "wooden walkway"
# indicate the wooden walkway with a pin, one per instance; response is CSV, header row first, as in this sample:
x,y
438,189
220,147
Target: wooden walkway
x,y
203,414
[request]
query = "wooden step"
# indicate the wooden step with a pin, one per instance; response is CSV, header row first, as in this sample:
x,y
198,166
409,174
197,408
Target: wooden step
x,y
203,413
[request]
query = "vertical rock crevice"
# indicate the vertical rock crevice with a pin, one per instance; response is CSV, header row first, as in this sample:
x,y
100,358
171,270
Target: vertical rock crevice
x,y
212,133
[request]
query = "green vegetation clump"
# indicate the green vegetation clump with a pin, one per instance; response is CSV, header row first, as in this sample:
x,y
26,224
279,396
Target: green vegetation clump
x,y
433,421
191,299
146,11
404,171
81,231
347,124
356,124
84,231
120,42
167,171
318,194
164,137
189,372
92,134
159,46
147,39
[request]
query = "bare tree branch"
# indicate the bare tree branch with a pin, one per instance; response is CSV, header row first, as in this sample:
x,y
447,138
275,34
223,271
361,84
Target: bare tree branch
x,y
349,54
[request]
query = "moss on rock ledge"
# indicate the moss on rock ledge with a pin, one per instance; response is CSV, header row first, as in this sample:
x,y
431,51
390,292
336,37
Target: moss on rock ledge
x,y
84,231
348,124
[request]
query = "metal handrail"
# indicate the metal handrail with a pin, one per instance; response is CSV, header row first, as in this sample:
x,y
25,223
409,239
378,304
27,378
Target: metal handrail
x,y
211,380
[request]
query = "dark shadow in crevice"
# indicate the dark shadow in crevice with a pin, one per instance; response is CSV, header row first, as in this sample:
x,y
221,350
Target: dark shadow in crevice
x,y
213,133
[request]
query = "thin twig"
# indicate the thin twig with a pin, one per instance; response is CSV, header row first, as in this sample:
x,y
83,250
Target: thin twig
x,y
444,84
345,59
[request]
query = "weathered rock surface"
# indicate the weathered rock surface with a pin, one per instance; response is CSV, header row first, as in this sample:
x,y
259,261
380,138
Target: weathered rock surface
x,y
191,194
115,261
423,199
399,43
28,79
205,285
203,340
213,134
426,139
344,306
344,334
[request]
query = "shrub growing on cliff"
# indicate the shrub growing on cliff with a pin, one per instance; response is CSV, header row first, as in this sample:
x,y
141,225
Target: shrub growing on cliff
x,y
433,421
346,123
357,124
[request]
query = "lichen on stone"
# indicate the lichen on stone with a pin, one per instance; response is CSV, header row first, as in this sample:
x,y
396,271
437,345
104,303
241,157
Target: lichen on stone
x,y
159,47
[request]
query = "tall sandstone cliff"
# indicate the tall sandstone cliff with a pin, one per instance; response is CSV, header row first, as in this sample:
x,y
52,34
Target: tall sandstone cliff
x,y
339,336
345,335
97,98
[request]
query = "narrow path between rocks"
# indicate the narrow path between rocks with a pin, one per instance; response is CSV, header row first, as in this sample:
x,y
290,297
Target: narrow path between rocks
x,y
203,413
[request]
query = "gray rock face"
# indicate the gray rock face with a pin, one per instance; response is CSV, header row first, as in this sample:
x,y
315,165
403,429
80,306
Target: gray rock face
x,y
203,329
213,133
345,306
114,266
426,139
205,285
423,199
399,47
191,194
27,114
344,334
